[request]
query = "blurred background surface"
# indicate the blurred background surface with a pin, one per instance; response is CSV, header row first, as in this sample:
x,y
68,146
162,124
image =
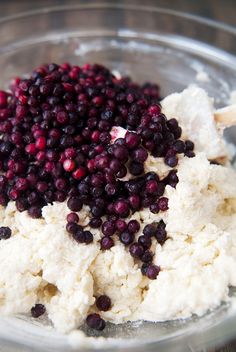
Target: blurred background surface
x,y
220,10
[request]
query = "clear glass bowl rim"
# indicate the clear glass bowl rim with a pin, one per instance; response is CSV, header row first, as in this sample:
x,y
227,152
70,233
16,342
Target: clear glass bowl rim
x,y
199,19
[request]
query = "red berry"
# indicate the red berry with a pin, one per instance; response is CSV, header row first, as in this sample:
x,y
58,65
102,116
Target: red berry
x,y
69,165
95,136
40,143
3,99
79,173
31,149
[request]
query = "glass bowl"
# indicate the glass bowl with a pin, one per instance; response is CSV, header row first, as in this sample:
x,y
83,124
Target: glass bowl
x,y
149,44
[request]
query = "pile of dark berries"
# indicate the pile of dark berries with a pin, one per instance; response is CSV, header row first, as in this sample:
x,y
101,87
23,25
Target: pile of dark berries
x,y
55,145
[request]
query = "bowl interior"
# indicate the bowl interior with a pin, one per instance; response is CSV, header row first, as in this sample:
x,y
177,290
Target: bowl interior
x,y
148,44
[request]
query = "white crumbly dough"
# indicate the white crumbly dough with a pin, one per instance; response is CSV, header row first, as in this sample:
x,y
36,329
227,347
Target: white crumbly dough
x,y
42,263
195,112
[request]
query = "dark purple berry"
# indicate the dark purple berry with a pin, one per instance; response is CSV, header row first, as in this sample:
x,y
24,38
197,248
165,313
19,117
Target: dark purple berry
x,y
144,268
152,187
154,208
35,212
134,202
38,310
103,303
152,271
160,233
88,237
121,208
110,189
74,204
95,222
189,145
94,321
145,241
106,243
132,139
139,155
121,225
115,165
179,146
72,217
122,172
136,250
136,168
151,176
147,256
108,228
22,204
79,236
133,226
121,153
171,161
160,189
189,154
150,230
126,238
72,227
162,203
97,211
5,233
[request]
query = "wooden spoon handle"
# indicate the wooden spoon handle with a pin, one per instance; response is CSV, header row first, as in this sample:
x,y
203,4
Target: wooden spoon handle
x,y
226,116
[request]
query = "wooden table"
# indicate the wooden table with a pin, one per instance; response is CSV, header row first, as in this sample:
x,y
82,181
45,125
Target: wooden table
x,y
220,10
